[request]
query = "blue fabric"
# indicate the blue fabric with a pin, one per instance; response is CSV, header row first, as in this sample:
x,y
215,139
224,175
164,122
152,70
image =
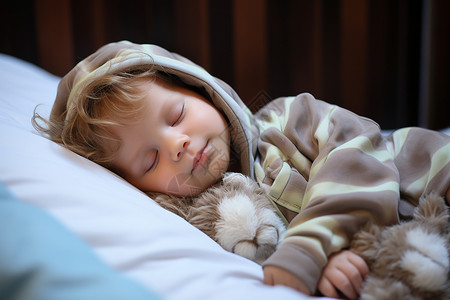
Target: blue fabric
x,y
41,259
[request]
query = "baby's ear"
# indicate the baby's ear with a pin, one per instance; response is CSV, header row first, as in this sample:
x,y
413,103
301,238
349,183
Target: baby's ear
x,y
366,242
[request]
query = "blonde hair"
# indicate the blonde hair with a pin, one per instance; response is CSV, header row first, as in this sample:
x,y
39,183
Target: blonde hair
x,y
110,100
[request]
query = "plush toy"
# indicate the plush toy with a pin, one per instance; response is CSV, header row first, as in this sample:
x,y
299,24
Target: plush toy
x,y
235,213
409,260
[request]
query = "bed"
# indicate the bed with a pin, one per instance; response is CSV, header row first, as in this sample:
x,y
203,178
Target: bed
x,y
106,227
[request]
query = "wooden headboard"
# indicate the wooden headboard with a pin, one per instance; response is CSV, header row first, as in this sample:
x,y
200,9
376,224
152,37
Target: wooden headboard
x,y
385,59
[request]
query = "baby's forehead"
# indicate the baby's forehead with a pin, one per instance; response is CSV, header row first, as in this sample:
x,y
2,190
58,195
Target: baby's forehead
x,y
152,98
164,92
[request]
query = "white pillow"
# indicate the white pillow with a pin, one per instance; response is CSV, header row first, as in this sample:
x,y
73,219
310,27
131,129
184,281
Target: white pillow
x,y
126,228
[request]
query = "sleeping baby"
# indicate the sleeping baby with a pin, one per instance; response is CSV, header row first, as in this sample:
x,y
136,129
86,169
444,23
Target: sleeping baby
x,y
170,128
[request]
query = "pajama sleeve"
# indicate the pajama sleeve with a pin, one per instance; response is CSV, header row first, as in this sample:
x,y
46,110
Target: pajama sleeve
x,y
329,171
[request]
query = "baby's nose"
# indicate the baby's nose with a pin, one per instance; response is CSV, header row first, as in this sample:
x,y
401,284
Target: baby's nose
x,y
179,147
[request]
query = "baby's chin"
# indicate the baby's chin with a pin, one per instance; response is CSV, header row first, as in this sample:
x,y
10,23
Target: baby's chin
x,y
190,186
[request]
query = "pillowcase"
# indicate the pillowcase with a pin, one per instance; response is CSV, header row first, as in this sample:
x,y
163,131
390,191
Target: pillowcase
x,y
40,259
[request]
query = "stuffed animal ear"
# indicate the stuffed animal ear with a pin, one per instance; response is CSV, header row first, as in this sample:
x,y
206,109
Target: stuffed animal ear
x,y
366,243
238,182
433,210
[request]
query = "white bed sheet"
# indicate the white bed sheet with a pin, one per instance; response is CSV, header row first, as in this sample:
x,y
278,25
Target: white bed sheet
x,y
126,228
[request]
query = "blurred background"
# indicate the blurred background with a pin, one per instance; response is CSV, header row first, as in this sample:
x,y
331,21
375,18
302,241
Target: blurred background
x,y
384,59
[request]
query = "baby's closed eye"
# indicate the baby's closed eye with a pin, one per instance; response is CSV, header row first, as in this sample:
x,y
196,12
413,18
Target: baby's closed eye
x,y
151,161
178,114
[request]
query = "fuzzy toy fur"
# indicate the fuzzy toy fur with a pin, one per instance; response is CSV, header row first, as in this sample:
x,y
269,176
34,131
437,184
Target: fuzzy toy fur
x,y
409,260
235,213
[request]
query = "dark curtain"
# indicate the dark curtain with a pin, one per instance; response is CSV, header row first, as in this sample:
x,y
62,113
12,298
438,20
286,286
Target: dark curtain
x,y
384,59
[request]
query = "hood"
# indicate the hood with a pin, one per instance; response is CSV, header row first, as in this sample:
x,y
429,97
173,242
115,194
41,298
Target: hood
x,y
120,56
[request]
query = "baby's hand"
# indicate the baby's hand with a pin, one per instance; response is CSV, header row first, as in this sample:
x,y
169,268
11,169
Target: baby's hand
x,y
278,276
344,273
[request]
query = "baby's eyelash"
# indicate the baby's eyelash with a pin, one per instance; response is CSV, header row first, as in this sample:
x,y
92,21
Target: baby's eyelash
x,y
180,117
153,164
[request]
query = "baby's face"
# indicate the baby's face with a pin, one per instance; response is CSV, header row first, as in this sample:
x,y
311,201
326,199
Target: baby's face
x,y
179,145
